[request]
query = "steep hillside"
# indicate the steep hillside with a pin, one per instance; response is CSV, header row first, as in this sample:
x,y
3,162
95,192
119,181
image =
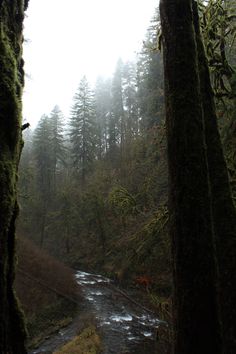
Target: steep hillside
x,y
46,289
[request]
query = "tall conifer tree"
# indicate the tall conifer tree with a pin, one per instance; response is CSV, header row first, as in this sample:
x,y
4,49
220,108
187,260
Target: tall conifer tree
x,y
130,101
150,79
83,132
118,116
57,142
43,158
103,112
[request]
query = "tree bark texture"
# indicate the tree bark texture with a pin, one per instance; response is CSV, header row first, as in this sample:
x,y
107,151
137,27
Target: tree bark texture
x,y
196,320
223,211
12,331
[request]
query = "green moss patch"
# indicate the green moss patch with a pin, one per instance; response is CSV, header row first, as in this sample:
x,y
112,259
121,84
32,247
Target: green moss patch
x,y
88,342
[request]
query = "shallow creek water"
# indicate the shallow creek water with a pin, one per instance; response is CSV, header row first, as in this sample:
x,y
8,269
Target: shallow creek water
x,y
125,327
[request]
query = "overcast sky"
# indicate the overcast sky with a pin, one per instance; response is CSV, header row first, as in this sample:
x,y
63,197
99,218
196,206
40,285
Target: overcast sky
x,y
66,40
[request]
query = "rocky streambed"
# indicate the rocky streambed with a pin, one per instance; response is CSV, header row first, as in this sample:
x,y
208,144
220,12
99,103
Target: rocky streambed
x,y
125,327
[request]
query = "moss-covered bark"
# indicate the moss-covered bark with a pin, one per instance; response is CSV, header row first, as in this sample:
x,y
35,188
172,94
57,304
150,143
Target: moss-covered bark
x,y
12,332
196,320
223,211
197,167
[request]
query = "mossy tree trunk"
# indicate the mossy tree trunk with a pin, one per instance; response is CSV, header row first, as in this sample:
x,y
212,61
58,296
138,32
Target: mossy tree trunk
x,y
196,320
192,129
223,211
12,332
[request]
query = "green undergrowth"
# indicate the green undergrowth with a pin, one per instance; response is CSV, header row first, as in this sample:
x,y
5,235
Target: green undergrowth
x,y
88,342
142,253
137,251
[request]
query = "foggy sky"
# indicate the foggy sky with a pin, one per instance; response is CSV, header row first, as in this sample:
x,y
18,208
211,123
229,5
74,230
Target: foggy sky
x,y
85,37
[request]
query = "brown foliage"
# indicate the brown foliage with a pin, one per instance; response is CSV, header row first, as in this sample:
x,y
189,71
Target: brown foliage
x,y
41,279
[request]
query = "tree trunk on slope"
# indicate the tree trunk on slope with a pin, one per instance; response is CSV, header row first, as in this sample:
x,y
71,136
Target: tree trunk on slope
x,y
12,332
196,322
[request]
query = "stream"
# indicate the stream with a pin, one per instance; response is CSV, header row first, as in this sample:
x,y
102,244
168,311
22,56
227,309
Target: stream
x,y
125,327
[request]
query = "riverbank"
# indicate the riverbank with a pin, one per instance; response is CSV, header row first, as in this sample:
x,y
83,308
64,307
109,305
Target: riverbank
x,y
122,325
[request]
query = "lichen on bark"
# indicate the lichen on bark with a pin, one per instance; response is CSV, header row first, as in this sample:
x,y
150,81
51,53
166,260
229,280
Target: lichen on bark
x,y
12,331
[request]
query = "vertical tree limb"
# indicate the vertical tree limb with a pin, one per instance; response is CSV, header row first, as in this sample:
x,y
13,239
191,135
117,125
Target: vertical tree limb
x,y
224,216
196,322
12,332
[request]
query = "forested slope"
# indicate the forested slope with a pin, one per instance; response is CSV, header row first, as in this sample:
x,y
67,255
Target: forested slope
x,y
93,186
95,183
47,291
